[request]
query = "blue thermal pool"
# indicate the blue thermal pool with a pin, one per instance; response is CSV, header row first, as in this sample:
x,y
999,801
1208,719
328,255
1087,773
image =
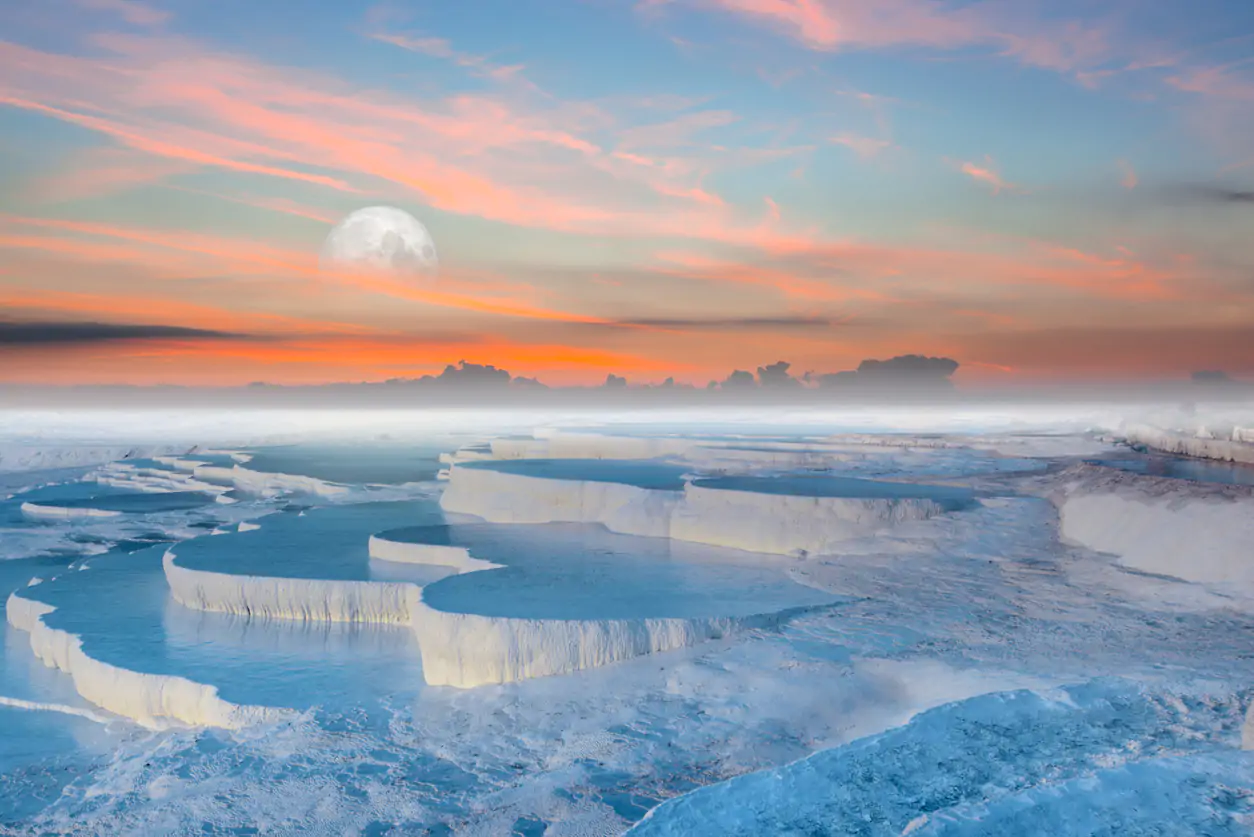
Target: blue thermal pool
x,y
574,571
92,495
329,543
807,485
659,476
122,610
359,464
40,750
1198,470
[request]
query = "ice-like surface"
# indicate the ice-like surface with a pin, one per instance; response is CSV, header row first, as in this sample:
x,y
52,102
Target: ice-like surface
x,y
38,457
1008,763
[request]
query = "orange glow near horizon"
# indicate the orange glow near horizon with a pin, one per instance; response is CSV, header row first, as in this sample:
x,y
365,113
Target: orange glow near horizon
x,y
171,183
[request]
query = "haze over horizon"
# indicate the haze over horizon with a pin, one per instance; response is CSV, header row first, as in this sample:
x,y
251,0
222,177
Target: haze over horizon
x,y
645,188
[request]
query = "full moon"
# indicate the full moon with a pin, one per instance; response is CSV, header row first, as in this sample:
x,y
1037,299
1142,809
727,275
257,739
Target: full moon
x,y
382,239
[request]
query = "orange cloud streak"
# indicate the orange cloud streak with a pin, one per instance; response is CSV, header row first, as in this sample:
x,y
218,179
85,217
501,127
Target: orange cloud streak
x,y
323,360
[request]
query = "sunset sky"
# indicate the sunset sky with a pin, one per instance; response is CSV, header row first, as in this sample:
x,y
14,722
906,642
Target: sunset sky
x,y
1043,190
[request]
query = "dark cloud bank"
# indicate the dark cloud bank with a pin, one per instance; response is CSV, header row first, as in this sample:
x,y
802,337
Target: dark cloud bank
x,y
79,333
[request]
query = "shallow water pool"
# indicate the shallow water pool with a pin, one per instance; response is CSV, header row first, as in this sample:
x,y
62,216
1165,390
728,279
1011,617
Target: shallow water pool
x,y
658,476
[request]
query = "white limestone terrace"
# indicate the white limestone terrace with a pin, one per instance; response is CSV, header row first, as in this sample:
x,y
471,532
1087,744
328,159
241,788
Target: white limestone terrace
x,y
865,454
1224,441
396,548
315,567
90,498
131,651
264,484
788,515
150,699
1184,528
326,470
497,604
564,598
136,476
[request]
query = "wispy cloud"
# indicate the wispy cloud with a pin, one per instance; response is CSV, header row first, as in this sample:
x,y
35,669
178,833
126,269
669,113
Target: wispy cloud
x,y
1128,177
837,24
441,48
986,172
522,164
865,147
97,172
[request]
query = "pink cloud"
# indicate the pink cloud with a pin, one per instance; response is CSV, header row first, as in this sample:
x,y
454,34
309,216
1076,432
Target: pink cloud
x,y
1081,49
473,155
831,24
1219,82
986,172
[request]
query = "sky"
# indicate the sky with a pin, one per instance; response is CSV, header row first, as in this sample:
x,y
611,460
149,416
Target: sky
x,y
1044,191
